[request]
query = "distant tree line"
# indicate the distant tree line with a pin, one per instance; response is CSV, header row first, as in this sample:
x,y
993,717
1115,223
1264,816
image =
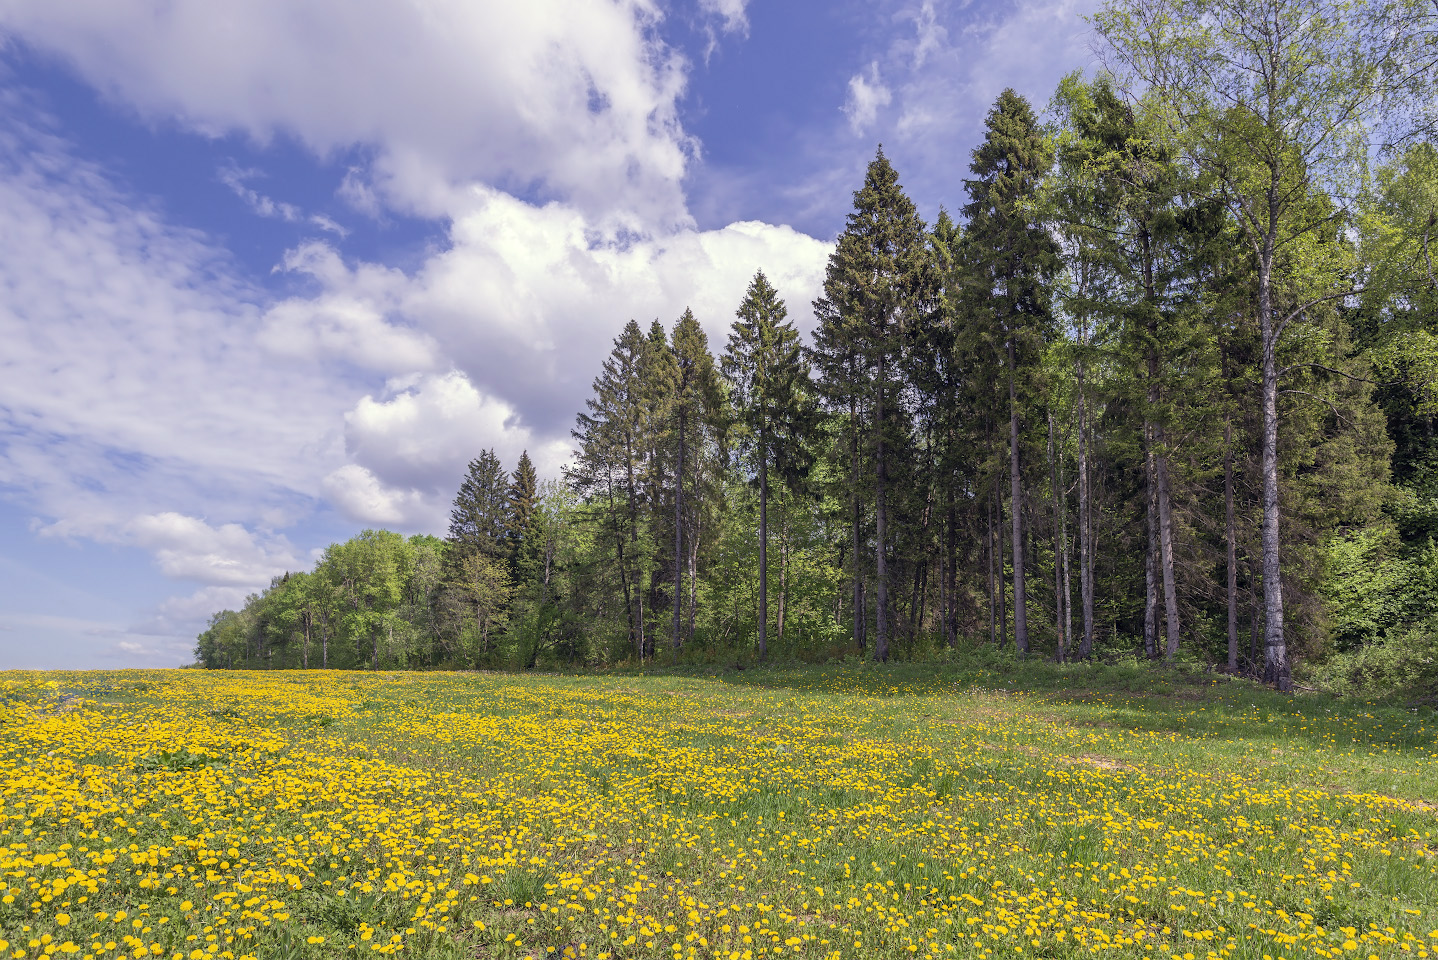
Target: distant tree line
x,y
1168,386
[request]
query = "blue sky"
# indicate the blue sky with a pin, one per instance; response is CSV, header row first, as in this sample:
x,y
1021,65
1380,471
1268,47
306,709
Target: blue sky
x,y
274,271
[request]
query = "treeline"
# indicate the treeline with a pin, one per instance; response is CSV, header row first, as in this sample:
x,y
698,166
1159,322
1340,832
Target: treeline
x,y
1166,386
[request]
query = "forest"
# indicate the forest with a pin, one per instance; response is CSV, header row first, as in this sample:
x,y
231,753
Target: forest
x,y
1164,385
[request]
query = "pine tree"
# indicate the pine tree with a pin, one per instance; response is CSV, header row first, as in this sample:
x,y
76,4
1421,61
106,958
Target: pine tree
x,y
1010,261
878,287
773,408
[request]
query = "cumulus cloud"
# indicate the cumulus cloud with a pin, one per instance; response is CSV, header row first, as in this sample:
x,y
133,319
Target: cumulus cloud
x,y
526,300
354,318
153,396
576,98
188,548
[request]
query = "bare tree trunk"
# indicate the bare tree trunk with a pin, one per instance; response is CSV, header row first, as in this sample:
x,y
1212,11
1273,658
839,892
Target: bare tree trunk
x,y
1021,621
783,579
881,562
1060,614
993,599
1068,621
1256,616
854,501
1276,668
1150,605
634,632
1165,539
678,535
693,577
638,620
1231,536
1003,593
1086,552
307,638
862,612
764,551
324,642
950,602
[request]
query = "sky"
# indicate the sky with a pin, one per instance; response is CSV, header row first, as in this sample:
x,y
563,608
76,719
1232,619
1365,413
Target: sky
x,y
274,271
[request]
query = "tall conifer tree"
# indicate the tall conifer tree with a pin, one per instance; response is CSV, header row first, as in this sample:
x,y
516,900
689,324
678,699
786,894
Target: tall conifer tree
x,y
773,409
878,286
1010,261
695,412
610,437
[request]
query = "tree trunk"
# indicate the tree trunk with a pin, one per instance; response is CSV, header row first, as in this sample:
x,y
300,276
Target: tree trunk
x,y
623,567
678,534
638,619
862,612
854,500
1086,552
693,577
783,579
881,572
1165,538
764,551
950,603
1276,669
1150,563
993,598
1060,615
306,616
1231,536
1021,621
999,545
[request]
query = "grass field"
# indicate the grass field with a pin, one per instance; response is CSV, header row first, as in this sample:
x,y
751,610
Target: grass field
x,y
820,812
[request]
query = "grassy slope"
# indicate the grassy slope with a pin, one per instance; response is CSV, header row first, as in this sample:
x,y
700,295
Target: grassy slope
x,y
856,810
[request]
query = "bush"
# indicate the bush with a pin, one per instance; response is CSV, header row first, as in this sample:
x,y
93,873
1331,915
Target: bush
x,y
1404,666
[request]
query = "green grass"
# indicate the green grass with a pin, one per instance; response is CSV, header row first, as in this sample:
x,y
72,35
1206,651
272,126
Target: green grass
x,y
962,809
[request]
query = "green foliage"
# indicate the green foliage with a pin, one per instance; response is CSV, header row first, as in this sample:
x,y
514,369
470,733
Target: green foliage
x,y
1160,325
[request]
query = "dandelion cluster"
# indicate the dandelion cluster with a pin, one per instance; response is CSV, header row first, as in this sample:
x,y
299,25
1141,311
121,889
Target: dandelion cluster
x,y
307,814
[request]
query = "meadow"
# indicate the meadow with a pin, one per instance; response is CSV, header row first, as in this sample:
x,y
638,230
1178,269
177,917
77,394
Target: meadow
x,y
845,811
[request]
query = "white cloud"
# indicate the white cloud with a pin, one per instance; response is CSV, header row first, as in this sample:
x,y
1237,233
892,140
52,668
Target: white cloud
x,y
352,319
130,369
152,397
237,180
188,548
867,93
362,497
48,642
574,97
730,12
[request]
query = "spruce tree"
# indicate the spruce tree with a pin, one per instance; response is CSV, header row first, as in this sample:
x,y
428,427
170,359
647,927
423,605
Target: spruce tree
x,y
659,385
523,486
878,287
693,413
773,408
610,438
479,518
1010,261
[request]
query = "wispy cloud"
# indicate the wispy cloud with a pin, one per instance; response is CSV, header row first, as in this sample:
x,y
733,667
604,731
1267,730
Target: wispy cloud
x,y
237,180
867,94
